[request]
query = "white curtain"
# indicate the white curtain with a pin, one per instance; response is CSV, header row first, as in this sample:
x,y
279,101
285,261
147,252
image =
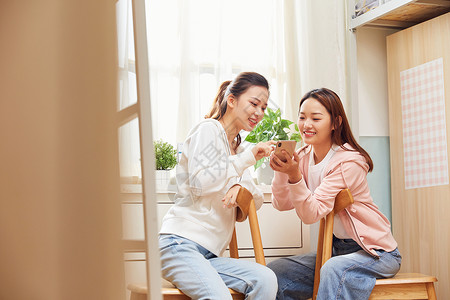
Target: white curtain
x,y
323,39
195,45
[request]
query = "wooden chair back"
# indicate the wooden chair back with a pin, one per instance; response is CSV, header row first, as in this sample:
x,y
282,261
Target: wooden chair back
x,y
246,209
325,240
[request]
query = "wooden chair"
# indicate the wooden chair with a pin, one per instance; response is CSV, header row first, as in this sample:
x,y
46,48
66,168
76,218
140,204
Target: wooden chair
x,y
401,286
246,207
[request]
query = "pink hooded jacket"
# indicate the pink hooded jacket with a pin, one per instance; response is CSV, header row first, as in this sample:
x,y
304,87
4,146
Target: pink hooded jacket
x,y
347,169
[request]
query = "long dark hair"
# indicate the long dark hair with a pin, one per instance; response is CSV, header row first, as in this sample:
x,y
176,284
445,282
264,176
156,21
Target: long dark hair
x,y
342,133
237,87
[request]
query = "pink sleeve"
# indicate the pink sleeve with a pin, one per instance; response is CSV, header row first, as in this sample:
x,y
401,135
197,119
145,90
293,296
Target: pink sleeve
x,y
280,192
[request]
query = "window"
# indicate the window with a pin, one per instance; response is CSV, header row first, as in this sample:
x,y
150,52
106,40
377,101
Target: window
x,y
196,45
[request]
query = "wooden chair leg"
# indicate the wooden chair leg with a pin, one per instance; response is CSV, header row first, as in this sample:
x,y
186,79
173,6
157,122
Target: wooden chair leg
x,y
256,234
234,252
318,259
136,296
328,242
430,290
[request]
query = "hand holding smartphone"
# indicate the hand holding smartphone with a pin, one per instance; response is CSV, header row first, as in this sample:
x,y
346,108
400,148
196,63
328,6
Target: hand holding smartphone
x,y
288,146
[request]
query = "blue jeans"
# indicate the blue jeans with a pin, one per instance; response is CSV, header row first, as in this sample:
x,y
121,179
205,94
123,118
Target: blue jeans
x,y
349,274
202,275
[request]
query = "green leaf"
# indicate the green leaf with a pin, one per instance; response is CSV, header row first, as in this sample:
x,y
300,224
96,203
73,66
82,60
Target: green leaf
x,y
251,139
296,137
282,136
259,163
286,123
271,114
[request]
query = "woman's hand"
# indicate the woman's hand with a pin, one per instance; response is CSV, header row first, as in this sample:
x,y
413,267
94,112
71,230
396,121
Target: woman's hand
x,y
263,149
289,167
229,200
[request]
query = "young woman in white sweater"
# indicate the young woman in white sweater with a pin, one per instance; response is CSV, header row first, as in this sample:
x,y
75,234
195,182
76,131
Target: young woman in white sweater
x,y
213,166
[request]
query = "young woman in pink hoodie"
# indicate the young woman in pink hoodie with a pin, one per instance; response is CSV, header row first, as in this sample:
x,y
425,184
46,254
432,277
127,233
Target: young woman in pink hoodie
x,y
363,246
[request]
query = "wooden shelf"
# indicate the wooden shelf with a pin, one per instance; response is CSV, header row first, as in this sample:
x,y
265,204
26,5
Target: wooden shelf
x,y
401,13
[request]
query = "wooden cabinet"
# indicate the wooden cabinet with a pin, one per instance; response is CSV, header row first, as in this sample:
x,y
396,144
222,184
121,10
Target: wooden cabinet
x,y
419,110
282,232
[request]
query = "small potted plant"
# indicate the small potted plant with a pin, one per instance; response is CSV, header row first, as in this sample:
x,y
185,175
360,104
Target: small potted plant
x,y
165,160
271,127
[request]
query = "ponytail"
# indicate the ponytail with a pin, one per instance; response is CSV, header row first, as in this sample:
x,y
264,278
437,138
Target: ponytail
x,y
219,106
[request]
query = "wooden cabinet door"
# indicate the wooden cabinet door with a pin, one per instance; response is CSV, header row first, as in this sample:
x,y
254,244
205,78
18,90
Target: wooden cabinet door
x,y
419,104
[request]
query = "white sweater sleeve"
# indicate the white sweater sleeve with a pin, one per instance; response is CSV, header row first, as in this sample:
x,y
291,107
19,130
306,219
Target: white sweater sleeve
x,y
250,185
210,168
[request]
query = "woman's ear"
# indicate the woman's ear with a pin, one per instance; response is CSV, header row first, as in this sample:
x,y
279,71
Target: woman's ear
x,y
339,120
231,100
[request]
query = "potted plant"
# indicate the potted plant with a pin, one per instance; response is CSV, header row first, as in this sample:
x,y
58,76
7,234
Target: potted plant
x,y
271,127
165,160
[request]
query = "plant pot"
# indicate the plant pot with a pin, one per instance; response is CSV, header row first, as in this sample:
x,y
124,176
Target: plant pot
x,y
264,175
162,179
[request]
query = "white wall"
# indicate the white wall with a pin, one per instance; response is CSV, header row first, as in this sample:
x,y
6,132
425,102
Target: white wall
x,y
373,110
322,47
372,81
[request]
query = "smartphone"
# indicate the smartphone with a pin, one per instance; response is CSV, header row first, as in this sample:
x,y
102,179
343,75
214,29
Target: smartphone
x,y
289,146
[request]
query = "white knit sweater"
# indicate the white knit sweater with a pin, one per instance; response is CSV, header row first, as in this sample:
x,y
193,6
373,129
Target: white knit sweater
x,y
205,173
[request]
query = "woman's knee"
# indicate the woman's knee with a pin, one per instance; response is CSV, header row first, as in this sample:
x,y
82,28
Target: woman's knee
x,y
281,266
266,283
276,266
331,271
